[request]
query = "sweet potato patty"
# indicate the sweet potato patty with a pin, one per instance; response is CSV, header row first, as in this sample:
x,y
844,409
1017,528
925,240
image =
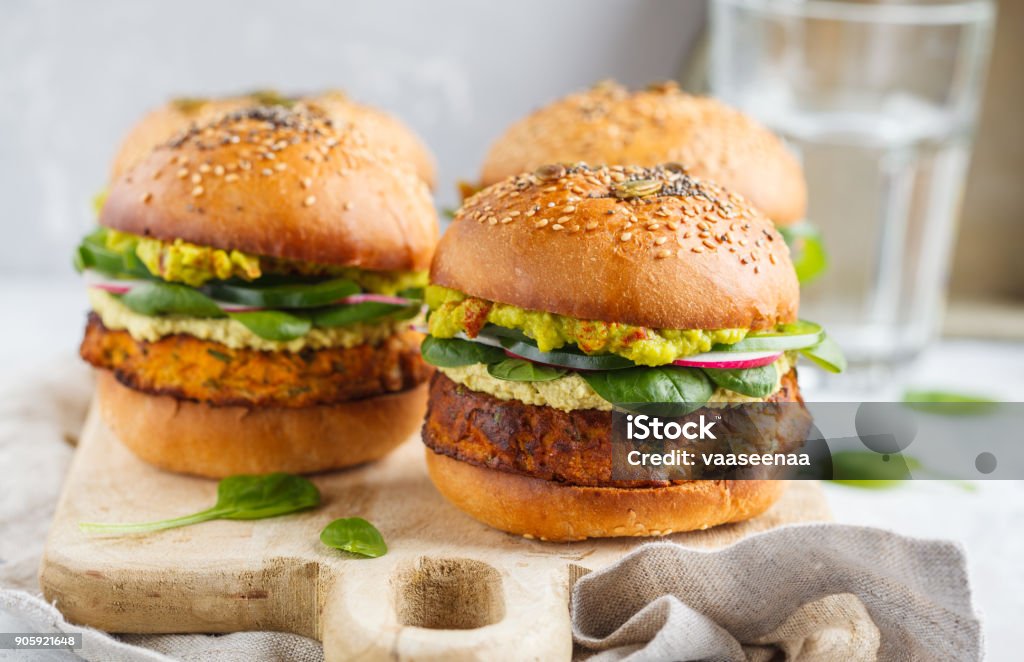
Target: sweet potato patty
x,y
543,442
193,369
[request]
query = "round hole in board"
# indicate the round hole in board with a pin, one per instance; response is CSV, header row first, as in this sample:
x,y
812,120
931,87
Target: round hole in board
x,y
449,594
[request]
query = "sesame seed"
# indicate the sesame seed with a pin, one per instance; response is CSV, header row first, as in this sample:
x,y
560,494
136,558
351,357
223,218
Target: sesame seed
x,y
306,182
660,240
771,257
568,209
348,205
625,236
757,269
591,225
280,167
204,168
218,170
507,219
513,214
146,197
697,249
563,219
196,178
197,191
653,226
541,223
708,243
492,221
662,254
231,177
557,226
182,174
309,201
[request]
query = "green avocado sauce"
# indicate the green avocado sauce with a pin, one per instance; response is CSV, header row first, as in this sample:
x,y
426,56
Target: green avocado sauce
x,y
452,312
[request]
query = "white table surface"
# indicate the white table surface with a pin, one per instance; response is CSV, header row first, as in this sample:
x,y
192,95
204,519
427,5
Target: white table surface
x,y
46,317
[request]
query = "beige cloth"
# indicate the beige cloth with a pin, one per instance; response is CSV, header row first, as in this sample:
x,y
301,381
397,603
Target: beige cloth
x,y
786,590
813,592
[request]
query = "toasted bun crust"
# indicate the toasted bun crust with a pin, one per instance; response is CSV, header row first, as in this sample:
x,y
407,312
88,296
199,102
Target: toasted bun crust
x,y
381,129
548,510
610,125
285,183
194,438
688,255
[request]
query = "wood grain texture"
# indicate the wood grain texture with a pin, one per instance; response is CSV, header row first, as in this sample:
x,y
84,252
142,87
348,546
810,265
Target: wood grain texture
x,y
449,588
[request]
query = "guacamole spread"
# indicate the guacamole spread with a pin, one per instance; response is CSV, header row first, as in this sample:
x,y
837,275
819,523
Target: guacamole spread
x,y
180,261
452,312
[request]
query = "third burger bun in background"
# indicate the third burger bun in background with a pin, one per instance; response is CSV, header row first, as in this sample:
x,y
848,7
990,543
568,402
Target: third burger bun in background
x,y
253,282
381,130
559,293
611,125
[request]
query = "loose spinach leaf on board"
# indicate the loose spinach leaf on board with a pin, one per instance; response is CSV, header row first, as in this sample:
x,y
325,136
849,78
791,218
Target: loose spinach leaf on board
x,y
518,370
948,403
170,299
274,324
238,497
455,352
827,355
676,390
354,535
755,382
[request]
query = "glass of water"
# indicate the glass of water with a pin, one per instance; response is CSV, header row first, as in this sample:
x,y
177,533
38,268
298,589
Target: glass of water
x,y
879,100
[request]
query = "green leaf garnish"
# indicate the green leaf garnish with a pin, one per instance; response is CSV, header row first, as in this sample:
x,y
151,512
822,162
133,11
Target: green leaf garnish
x,y
518,370
287,295
948,402
356,536
455,352
810,258
755,382
274,325
827,355
679,390
170,299
238,498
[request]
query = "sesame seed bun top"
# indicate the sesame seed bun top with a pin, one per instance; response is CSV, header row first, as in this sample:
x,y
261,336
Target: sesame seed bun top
x,y
382,130
610,125
284,183
645,246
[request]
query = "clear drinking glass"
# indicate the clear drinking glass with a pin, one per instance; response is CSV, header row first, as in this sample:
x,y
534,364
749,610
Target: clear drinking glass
x,y
879,100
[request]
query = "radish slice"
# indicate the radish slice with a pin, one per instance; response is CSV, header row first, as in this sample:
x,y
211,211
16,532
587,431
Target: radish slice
x,y
729,360
377,298
112,285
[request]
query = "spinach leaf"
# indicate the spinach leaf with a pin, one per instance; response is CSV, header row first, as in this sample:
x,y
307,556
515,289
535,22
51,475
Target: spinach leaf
x,y
287,295
755,382
948,403
676,390
354,535
358,312
170,299
238,498
808,250
93,253
274,324
827,355
518,370
455,352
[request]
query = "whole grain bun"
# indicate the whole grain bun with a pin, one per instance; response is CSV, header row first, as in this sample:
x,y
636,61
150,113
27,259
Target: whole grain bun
x,y
612,126
382,130
644,246
548,510
194,438
286,183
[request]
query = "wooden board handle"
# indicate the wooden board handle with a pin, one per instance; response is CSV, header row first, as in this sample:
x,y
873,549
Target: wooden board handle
x,y
447,608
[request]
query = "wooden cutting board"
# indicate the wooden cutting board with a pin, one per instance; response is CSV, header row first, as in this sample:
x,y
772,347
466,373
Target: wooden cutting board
x,y
449,588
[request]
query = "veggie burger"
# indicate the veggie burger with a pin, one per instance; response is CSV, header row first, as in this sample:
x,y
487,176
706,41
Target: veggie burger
x,y
252,285
612,125
558,294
